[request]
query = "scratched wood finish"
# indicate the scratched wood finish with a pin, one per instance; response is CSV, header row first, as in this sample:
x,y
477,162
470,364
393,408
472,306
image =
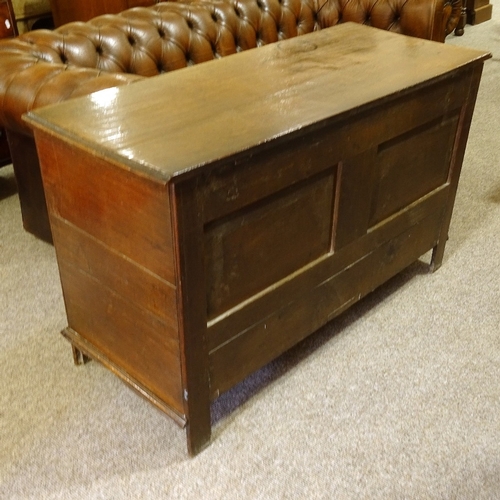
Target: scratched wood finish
x,y
207,220
114,244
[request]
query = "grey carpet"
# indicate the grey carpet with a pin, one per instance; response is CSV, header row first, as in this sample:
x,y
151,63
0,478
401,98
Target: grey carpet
x,y
397,399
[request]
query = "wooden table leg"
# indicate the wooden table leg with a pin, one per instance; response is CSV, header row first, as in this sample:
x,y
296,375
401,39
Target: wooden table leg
x,y
79,357
195,368
459,30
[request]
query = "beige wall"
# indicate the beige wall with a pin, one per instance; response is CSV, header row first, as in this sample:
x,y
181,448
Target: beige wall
x,y
27,11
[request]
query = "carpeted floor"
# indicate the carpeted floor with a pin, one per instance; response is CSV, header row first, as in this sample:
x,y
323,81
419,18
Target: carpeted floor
x,y
397,399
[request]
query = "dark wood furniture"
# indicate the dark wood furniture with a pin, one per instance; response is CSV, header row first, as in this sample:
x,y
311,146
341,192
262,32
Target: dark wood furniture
x,y
478,11
8,29
65,11
207,220
462,21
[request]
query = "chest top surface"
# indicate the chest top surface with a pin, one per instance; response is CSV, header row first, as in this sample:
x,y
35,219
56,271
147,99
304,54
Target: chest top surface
x,y
178,122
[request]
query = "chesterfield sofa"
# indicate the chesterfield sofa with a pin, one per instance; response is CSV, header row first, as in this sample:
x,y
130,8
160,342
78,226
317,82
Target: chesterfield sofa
x,y
45,67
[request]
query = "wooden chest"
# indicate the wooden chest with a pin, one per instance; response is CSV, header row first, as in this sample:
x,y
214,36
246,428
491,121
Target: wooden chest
x,y
207,220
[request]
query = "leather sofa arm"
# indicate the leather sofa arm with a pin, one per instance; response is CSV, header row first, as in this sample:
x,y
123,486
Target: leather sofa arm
x,y
28,81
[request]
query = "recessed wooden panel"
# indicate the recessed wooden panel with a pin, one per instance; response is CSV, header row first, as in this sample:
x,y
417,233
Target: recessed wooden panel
x,y
129,336
128,213
261,244
353,202
228,326
412,165
263,173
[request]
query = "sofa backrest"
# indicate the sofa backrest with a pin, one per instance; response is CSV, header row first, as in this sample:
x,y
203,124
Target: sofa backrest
x,y
169,36
147,41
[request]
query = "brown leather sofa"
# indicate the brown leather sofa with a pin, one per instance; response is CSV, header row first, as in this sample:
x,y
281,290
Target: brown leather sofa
x,y
44,67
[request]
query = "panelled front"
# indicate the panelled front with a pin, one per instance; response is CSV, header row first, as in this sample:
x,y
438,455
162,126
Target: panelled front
x,y
113,237
292,239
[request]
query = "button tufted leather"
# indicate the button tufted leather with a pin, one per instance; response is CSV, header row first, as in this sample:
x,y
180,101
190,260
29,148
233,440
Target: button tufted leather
x,y
43,67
